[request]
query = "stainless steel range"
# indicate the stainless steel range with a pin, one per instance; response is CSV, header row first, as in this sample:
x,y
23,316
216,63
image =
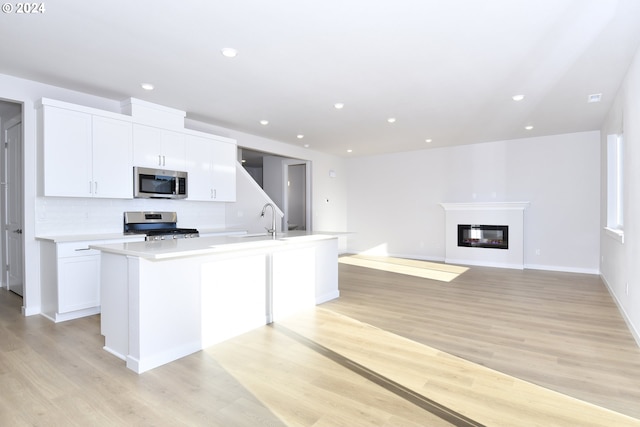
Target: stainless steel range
x,y
156,226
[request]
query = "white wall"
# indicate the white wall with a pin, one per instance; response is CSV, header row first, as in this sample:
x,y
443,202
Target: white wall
x,y
272,179
328,193
67,215
245,213
394,199
620,263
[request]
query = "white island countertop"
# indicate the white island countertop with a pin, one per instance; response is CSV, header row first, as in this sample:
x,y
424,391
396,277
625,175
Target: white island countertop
x,y
168,249
87,237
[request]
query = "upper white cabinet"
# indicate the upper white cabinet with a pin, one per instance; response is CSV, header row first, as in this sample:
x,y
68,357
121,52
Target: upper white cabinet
x,y
158,148
112,158
212,169
85,155
88,152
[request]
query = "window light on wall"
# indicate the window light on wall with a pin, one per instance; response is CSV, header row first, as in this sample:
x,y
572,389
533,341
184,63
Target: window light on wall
x,y
615,186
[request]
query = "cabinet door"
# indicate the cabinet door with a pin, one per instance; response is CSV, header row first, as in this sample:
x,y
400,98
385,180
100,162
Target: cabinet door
x,y
66,153
233,297
158,148
78,283
173,150
112,158
199,155
224,171
294,281
147,149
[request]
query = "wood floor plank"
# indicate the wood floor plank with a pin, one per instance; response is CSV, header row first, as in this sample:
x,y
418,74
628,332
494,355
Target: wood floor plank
x,y
477,392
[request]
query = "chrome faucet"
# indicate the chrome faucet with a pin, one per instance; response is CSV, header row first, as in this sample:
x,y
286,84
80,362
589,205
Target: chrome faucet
x,y
272,230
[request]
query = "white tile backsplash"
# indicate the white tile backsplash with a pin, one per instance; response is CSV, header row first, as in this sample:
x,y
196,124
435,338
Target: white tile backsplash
x,y
71,216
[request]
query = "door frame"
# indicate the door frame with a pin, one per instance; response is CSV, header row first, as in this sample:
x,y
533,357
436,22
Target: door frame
x,y
4,254
285,209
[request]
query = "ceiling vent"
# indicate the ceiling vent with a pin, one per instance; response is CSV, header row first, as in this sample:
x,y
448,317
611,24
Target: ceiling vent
x,y
595,97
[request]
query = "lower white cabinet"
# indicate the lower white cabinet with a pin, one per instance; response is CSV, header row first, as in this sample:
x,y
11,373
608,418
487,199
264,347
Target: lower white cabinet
x,y
80,279
233,299
70,279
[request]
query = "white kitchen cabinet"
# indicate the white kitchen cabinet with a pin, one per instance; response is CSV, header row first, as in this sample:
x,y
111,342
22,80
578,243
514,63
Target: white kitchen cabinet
x,y
80,276
293,277
66,139
112,158
85,155
233,298
211,164
158,148
70,278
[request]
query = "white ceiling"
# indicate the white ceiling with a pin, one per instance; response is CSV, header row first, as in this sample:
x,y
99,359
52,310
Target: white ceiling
x,y
445,69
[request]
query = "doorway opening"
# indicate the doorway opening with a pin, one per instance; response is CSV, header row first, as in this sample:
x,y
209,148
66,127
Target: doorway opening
x,y
287,181
11,197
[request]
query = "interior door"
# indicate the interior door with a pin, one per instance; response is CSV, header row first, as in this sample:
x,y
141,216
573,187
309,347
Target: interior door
x,y
13,214
296,205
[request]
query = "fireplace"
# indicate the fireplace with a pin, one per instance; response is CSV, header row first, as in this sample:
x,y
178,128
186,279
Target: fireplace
x,y
483,236
504,250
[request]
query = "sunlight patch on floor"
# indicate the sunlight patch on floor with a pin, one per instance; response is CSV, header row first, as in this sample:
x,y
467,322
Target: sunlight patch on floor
x,y
410,267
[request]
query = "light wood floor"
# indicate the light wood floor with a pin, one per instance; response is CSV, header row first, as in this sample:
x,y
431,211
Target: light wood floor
x,y
561,331
558,330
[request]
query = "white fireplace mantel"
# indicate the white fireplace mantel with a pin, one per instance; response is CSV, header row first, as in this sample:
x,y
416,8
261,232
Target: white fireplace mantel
x,y
484,206
510,214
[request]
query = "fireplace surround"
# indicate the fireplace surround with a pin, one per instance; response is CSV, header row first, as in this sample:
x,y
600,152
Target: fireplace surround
x,y
486,248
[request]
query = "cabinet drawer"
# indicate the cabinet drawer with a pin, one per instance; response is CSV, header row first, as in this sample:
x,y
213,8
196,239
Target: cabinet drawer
x,y
81,248
74,249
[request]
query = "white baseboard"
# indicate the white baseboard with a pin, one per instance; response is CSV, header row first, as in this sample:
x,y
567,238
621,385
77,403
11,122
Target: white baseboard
x,y
31,311
115,353
634,332
158,359
484,263
562,269
327,297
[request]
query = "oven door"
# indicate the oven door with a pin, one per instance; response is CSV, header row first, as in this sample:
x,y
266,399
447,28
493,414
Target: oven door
x,y
157,183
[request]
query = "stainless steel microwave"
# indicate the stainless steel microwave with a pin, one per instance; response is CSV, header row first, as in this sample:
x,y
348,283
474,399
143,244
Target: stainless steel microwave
x,y
159,183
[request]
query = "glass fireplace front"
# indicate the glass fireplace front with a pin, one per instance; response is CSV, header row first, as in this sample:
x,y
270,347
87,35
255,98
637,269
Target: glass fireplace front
x,y
483,236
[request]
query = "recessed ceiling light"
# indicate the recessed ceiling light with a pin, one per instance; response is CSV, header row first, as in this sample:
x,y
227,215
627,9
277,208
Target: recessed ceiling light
x,y
264,122
594,97
147,86
229,52
349,151
528,127
517,97
339,105
300,136
306,145
391,119
428,141
244,161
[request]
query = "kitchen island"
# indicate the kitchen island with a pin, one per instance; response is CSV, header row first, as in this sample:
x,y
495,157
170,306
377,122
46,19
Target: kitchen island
x,y
163,300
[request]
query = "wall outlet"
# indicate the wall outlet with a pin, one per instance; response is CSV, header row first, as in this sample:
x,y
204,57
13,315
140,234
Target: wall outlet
x,y
537,251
